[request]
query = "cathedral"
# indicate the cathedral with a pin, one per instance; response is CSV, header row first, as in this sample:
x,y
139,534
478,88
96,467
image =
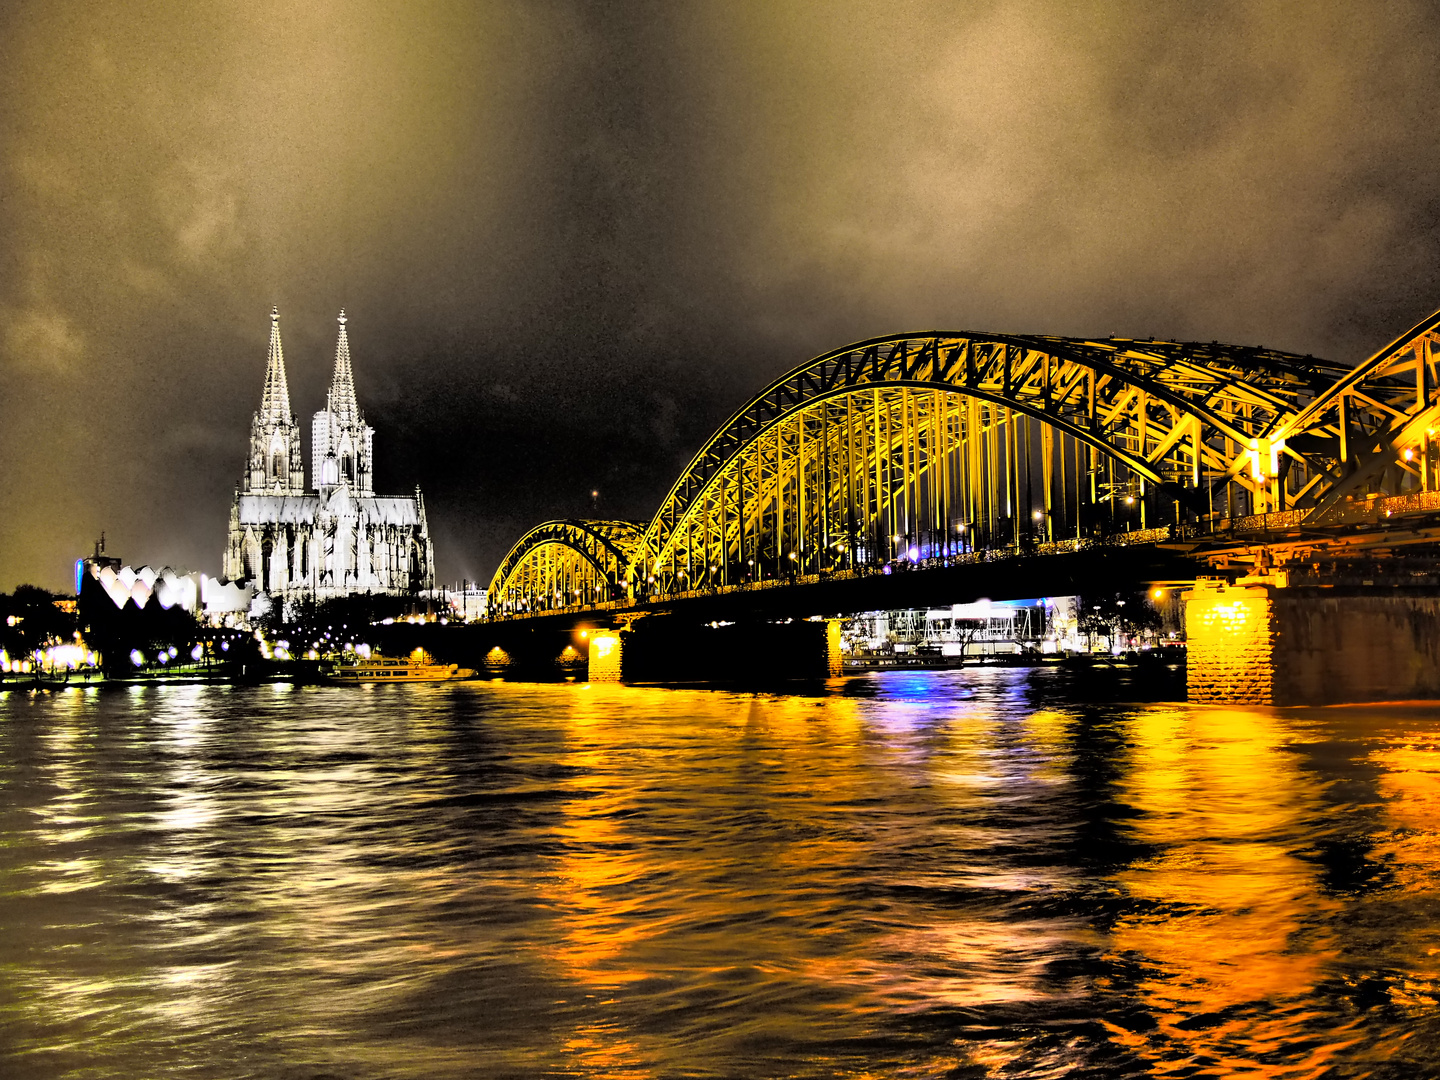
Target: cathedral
x,y
340,538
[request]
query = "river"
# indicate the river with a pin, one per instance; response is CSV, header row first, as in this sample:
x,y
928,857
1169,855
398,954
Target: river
x,y
960,875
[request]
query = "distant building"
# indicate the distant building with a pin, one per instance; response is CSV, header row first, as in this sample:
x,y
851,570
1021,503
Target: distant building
x,y
341,538
168,586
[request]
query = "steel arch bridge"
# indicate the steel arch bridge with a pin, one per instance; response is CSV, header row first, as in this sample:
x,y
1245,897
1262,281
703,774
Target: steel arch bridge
x,y
566,563
933,446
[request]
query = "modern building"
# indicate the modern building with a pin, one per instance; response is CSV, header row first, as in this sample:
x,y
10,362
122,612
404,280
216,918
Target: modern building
x,y
340,538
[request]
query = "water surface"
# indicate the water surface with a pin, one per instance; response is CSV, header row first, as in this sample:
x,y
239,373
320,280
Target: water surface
x,y
898,875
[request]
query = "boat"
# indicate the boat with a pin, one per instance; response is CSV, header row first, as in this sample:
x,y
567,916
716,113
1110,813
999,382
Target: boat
x,y
418,667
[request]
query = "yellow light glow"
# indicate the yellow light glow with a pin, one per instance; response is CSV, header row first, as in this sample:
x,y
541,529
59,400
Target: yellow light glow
x,y
1233,612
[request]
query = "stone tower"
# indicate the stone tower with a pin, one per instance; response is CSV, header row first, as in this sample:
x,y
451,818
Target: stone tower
x,y
276,465
342,444
341,537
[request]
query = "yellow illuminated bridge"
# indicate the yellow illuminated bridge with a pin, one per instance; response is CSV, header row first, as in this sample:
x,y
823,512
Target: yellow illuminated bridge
x,y
938,449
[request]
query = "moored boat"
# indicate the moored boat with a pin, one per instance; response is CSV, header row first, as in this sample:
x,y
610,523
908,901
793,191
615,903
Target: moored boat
x,y
384,669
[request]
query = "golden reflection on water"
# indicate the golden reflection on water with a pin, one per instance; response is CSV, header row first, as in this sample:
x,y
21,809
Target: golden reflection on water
x,y
1228,923
810,795
1408,845
1410,792
641,894
1231,930
899,876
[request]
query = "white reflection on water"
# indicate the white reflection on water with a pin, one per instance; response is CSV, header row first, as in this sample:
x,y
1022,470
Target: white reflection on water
x,y
905,875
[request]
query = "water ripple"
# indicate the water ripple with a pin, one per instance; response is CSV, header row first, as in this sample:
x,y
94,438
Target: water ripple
x,y
939,875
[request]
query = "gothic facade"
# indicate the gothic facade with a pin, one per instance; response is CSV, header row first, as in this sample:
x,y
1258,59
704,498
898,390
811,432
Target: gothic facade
x,y
341,537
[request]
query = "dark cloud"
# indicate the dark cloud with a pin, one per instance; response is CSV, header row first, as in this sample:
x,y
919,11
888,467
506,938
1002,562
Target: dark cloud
x,y
573,237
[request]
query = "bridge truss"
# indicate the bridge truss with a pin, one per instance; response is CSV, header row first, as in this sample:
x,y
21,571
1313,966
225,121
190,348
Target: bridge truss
x,y
565,563
930,446
923,446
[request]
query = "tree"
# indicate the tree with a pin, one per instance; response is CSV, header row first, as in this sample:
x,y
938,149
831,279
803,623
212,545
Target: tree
x,y
1115,616
29,619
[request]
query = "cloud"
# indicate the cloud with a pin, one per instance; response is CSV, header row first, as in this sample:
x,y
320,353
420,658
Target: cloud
x,y
1073,168
40,338
144,280
48,174
574,237
202,209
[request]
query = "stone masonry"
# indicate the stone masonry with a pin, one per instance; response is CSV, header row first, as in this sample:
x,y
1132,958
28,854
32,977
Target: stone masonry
x,y
1263,644
1230,644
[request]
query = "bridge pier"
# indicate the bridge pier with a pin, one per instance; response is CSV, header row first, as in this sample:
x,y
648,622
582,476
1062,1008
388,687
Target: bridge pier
x,y
670,649
1260,643
606,658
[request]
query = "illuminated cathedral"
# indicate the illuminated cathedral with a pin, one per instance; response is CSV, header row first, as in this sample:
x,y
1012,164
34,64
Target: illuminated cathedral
x,y
341,537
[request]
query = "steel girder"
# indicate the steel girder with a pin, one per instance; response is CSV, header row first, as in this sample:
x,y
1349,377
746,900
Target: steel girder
x,y
1373,430
565,556
1165,410
1257,429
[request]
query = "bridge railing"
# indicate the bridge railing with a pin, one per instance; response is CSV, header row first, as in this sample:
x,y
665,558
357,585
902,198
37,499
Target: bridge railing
x,y
966,558
1353,510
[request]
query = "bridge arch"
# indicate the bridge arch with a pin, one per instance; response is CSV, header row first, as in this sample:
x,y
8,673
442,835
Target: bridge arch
x,y
918,445
1373,430
564,563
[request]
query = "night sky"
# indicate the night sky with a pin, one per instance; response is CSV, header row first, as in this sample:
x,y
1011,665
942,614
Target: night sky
x,y
572,238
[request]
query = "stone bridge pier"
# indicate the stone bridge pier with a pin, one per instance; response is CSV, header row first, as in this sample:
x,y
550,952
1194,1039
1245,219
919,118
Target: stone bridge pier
x,y
649,647
1260,642
671,649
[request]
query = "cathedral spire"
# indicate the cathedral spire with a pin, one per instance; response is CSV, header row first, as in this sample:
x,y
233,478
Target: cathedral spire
x,y
341,442
276,465
275,403
342,386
